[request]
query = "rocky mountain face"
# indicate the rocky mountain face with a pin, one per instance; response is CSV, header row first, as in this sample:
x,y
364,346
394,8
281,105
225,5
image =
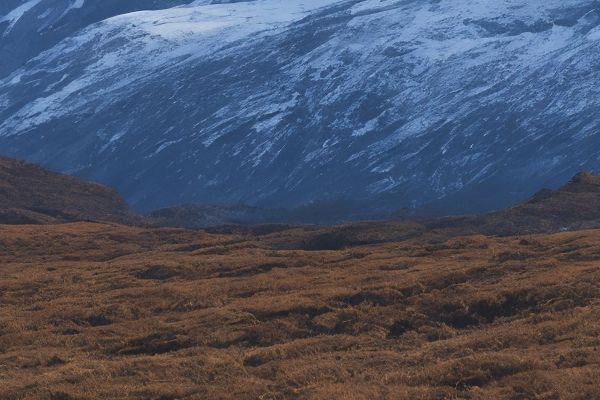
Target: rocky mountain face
x,y
456,105
32,195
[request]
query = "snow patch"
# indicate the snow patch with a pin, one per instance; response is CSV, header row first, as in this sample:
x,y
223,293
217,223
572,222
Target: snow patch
x,y
594,35
15,15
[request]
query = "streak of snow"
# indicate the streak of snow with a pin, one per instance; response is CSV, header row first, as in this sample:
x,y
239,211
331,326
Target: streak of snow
x,y
15,15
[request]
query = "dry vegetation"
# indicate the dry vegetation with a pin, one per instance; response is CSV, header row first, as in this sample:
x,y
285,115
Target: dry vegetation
x,y
30,194
98,311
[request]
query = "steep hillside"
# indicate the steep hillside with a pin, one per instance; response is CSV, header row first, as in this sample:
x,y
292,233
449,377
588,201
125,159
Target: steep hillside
x,y
471,105
29,27
31,194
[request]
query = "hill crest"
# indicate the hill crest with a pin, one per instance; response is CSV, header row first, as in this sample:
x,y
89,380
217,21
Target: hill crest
x,y
32,194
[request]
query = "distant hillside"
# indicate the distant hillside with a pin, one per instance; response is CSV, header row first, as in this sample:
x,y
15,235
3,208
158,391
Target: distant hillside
x,y
575,205
31,194
208,215
194,216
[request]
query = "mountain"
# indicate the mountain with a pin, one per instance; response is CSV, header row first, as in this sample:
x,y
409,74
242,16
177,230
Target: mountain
x,y
32,195
28,27
460,106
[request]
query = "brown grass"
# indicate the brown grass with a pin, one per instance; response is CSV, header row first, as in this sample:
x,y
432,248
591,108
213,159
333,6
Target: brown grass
x,y
30,194
97,311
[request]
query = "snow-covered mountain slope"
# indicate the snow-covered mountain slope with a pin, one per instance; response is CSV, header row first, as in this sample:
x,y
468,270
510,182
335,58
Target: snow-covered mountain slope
x,y
276,103
28,27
